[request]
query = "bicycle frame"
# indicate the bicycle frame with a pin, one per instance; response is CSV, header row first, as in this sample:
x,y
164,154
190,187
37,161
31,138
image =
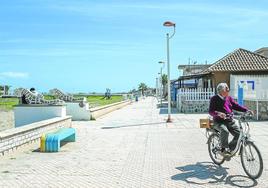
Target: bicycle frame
x,y
244,133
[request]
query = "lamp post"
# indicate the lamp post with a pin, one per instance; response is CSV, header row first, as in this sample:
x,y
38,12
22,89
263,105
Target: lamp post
x,y
169,24
159,86
160,80
156,88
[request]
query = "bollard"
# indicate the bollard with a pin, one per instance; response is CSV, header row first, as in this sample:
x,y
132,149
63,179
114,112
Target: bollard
x,y
43,143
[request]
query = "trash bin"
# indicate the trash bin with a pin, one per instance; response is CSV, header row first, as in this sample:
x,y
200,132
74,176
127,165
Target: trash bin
x,y
136,99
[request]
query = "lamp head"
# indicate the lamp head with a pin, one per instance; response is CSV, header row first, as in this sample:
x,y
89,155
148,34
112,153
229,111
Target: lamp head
x,y
169,24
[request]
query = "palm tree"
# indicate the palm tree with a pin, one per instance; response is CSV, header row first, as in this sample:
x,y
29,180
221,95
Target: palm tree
x,y
132,91
142,87
164,79
164,84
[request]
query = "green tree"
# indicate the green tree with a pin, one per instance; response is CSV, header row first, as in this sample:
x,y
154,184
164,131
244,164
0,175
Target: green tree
x,y
164,79
164,84
142,87
132,91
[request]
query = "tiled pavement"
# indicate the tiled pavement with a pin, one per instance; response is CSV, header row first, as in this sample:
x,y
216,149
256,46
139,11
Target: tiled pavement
x,y
133,147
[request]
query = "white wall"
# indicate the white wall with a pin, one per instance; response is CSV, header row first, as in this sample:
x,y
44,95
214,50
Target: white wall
x,y
78,113
33,113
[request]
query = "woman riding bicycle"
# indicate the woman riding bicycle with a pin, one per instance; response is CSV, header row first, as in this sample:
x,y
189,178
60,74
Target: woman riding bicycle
x,y
221,109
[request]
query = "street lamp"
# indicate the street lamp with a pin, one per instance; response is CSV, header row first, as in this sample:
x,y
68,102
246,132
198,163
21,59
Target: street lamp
x,y
169,24
156,88
159,87
161,62
160,80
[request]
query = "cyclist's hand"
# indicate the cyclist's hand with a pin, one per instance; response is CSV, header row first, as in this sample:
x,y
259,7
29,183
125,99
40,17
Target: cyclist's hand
x,y
222,115
250,112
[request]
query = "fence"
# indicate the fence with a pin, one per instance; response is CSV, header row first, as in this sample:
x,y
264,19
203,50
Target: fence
x,y
194,100
200,94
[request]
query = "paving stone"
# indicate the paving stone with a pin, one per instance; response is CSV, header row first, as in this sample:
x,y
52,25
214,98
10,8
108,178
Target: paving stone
x,y
133,147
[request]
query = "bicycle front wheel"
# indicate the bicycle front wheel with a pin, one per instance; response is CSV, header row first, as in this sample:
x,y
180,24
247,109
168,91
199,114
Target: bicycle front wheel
x,y
251,160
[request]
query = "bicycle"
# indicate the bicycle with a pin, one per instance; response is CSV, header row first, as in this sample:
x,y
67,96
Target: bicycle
x,y
250,155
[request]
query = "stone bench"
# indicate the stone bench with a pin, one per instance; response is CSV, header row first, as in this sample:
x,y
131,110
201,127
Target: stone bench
x,y
51,142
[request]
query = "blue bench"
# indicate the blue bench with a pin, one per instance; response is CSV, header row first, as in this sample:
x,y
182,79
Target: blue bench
x,y
51,142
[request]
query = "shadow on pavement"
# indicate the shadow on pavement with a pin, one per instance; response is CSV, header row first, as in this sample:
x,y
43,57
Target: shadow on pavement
x,y
203,173
241,181
163,105
165,111
134,125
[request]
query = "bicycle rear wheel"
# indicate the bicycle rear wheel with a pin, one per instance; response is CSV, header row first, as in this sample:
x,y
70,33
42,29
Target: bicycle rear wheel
x,y
251,160
214,149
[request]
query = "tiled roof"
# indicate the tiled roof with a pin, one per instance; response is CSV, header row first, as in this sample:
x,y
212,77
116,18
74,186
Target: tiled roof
x,y
240,60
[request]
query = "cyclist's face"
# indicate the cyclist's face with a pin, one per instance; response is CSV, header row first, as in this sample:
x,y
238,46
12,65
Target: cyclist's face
x,y
225,92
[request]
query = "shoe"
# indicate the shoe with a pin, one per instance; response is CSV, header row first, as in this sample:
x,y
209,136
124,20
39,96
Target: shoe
x,y
226,153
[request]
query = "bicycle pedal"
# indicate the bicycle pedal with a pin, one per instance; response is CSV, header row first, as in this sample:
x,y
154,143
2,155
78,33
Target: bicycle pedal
x,y
236,154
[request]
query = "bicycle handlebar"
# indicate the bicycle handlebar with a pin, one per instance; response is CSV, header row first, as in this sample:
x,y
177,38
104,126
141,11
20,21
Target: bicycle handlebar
x,y
244,115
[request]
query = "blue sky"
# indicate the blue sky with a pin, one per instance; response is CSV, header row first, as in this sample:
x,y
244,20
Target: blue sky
x,y
86,46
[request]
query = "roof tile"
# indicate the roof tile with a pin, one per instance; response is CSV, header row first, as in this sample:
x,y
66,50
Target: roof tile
x,y
240,60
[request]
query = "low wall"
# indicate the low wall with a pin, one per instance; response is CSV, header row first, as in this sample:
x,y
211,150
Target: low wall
x,y
13,138
26,114
193,106
260,107
100,111
78,113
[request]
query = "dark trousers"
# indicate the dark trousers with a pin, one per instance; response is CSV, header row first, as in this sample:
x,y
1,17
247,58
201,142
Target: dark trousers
x,y
224,133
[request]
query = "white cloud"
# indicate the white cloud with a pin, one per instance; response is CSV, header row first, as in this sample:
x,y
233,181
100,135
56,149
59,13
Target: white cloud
x,y
216,8
14,74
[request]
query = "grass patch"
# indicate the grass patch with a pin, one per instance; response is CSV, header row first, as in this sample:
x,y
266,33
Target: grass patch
x,y
8,103
94,101
100,101
49,97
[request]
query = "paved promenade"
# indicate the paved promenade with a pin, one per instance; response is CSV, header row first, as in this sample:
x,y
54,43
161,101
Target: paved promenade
x,y
133,147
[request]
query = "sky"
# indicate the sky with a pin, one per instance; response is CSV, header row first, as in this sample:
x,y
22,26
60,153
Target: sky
x,y
88,45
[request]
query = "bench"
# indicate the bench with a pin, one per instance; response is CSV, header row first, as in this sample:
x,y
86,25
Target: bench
x,y
51,142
